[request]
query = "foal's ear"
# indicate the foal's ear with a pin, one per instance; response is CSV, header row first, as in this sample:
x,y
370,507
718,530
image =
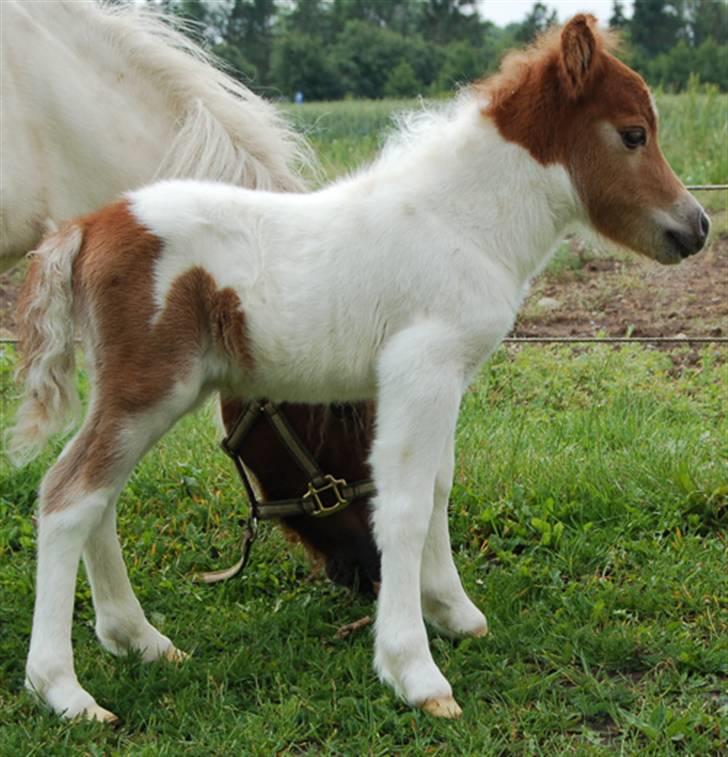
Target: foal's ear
x,y
578,54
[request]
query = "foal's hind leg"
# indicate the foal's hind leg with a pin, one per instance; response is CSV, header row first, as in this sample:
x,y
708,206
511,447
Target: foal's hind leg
x,y
120,621
75,497
444,601
69,511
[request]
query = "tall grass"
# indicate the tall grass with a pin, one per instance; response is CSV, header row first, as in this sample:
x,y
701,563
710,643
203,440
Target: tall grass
x,y
694,134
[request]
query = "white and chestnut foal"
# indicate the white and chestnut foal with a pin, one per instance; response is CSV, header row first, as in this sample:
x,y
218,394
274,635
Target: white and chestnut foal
x,y
394,284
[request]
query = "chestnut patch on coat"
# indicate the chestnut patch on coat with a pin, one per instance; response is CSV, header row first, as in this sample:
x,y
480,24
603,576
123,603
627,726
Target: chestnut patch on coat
x,y
138,353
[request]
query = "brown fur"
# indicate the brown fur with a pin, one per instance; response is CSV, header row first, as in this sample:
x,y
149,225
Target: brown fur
x,y
137,354
142,352
340,438
552,99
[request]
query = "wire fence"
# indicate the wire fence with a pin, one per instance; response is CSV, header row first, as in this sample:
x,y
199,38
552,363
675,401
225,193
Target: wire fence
x,y
616,340
680,339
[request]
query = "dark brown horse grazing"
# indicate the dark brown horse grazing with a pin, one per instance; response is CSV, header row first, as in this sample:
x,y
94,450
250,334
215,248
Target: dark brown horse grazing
x,y
339,437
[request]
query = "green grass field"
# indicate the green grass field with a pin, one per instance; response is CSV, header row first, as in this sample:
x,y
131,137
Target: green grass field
x,y
588,519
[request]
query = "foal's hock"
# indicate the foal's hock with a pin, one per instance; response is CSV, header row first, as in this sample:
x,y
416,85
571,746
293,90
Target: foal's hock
x,y
184,288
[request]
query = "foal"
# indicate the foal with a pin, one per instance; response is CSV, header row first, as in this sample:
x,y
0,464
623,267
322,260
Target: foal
x,y
394,284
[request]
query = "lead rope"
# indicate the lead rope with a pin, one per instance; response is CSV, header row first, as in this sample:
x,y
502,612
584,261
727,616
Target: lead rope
x,y
229,443
251,531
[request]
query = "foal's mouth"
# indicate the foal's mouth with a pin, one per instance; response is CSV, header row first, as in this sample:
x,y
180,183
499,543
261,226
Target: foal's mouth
x,y
674,242
681,245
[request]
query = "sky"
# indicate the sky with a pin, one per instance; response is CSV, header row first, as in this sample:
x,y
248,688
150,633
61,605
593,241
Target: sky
x,y
502,12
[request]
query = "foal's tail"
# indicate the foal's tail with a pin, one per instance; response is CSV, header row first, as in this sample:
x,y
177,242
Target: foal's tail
x,y
47,362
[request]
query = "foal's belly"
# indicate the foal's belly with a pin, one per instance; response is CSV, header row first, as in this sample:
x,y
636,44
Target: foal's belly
x,y
311,376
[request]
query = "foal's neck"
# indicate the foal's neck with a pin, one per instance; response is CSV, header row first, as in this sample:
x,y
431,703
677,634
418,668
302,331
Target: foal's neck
x,y
492,191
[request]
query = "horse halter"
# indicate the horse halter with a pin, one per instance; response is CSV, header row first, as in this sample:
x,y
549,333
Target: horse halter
x,y
325,494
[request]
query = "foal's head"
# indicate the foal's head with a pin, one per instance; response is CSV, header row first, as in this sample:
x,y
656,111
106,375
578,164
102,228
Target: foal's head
x,y
567,100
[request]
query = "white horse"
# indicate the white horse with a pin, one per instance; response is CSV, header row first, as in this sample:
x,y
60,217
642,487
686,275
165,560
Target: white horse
x,y
395,283
97,100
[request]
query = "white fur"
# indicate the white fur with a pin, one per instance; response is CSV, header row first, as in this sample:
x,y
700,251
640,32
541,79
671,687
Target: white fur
x,y
395,283
98,100
347,267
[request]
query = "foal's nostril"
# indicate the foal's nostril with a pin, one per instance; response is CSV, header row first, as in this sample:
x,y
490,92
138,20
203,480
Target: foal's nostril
x,y
704,226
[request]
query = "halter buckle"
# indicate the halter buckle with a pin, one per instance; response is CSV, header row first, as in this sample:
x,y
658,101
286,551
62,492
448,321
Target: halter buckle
x,y
323,509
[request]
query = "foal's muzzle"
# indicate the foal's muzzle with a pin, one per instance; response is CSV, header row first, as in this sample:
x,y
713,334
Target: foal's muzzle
x,y
690,239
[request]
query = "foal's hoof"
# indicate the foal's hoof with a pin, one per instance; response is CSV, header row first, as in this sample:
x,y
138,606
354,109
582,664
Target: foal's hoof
x,y
172,654
442,707
99,714
479,632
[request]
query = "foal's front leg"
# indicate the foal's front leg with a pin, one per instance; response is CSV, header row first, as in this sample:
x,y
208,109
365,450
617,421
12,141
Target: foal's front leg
x,y
444,601
419,395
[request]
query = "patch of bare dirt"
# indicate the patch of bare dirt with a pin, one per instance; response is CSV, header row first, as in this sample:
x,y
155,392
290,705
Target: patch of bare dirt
x,y
9,287
634,297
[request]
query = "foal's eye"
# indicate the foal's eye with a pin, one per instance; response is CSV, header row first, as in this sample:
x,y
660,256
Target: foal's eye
x,y
633,138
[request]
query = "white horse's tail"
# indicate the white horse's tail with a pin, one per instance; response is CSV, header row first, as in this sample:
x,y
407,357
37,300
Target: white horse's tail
x,y
47,363
225,132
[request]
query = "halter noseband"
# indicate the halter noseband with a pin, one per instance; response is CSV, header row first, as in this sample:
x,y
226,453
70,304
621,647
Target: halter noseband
x,y
324,496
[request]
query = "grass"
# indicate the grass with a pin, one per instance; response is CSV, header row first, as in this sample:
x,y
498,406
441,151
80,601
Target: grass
x,y
588,520
693,132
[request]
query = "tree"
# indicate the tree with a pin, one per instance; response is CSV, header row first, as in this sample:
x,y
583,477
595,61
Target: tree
x,y
463,63
707,19
300,63
249,28
444,21
536,22
401,16
239,66
365,55
618,20
311,17
655,26
711,63
402,82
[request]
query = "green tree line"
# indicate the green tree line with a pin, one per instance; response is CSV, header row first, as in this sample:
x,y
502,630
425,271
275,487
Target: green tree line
x,y
331,49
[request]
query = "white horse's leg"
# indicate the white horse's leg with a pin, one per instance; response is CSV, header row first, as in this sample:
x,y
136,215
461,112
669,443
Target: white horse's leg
x,y
444,601
120,621
419,395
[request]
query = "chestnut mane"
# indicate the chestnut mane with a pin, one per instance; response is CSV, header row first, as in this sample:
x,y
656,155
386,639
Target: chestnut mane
x,y
518,66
